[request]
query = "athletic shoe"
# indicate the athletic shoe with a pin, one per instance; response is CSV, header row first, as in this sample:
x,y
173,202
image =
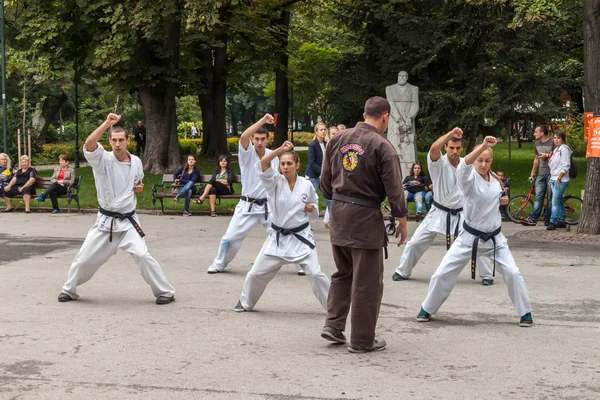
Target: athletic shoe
x,y
213,270
551,226
418,217
529,222
397,277
526,320
423,316
40,199
186,214
561,224
239,307
378,345
301,272
165,299
55,211
63,298
487,282
333,334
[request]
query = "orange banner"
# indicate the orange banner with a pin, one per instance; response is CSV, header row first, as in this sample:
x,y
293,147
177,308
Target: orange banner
x,y
593,146
587,117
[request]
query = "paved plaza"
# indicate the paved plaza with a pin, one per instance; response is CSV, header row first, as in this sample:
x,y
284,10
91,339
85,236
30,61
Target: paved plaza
x,y
115,343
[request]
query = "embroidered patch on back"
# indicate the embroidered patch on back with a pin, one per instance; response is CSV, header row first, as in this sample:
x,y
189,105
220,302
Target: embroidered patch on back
x,y
352,153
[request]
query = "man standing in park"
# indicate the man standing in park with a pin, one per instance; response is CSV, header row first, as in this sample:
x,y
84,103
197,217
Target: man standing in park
x,y
139,134
118,177
544,145
361,168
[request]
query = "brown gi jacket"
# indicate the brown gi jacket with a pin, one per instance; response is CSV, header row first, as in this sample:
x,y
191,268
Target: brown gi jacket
x,y
359,162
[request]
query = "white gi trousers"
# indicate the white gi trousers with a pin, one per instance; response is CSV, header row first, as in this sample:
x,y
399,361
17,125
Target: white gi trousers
x,y
422,240
97,249
444,278
266,267
241,224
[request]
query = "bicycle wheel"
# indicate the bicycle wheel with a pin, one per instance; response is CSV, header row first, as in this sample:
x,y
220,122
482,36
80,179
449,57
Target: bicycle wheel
x,y
573,207
519,208
390,228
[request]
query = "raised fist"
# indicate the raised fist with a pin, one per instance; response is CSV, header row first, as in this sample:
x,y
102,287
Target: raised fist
x,y
112,119
457,133
269,119
490,141
287,146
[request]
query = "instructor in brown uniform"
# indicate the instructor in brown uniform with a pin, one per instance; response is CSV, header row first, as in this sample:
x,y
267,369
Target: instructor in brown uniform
x,y
360,170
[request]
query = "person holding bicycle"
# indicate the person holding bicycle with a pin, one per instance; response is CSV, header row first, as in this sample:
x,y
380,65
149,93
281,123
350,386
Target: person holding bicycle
x,y
540,172
559,163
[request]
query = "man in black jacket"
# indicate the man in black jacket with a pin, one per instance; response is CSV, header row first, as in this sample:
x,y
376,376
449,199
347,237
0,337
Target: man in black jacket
x,y
139,133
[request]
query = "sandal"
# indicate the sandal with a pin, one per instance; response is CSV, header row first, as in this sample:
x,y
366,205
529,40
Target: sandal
x,y
8,210
198,201
213,214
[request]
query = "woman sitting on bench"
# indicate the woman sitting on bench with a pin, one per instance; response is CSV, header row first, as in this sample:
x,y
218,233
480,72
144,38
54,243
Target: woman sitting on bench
x,y
187,176
22,183
220,184
62,178
418,188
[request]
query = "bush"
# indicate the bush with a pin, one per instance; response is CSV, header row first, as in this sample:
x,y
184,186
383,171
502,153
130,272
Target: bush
x,y
188,146
574,132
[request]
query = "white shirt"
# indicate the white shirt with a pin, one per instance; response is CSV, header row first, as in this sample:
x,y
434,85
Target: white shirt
x,y
481,203
322,144
446,192
114,184
560,162
287,211
251,184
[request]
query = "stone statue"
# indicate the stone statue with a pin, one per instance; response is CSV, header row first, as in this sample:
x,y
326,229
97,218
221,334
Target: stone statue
x,y
404,101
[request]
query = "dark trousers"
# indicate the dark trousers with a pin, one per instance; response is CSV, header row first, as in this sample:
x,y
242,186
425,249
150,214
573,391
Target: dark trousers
x,y
218,188
358,282
140,146
53,191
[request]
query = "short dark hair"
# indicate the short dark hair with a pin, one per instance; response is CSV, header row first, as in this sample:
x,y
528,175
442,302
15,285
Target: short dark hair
x,y
543,128
377,106
561,134
455,139
118,129
262,131
500,171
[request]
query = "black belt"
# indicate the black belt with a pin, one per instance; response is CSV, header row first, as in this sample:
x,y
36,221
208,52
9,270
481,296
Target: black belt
x,y
258,202
121,216
481,236
356,200
293,231
449,213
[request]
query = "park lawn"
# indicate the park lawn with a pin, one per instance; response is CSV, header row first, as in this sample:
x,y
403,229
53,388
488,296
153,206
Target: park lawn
x,y
518,170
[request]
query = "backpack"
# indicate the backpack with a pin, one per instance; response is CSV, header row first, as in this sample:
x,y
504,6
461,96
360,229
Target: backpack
x,y
572,168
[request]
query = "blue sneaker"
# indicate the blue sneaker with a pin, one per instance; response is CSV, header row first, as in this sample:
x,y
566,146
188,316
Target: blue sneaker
x,y
423,316
397,277
55,211
526,320
487,282
40,199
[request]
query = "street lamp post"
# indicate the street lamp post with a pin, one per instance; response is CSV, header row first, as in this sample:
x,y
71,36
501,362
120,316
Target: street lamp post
x,y
4,116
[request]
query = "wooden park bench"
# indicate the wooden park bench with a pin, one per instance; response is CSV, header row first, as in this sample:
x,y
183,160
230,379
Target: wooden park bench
x,y
167,190
41,184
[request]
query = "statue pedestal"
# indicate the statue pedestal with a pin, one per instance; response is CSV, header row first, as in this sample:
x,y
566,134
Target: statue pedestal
x,y
406,148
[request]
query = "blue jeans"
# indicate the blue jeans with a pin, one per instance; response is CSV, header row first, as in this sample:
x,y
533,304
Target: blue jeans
x,y
316,182
187,190
541,185
418,198
558,206
428,200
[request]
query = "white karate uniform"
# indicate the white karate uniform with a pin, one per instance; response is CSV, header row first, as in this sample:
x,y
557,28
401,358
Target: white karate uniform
x,y
445,185
114,183
287,210
482,213
244,218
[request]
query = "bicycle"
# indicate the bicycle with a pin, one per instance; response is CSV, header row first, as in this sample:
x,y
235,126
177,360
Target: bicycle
x,y
520,207
390,227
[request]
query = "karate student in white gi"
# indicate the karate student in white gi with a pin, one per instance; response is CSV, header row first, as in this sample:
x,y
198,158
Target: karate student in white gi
x,y
482,235
294,203
118,176
446,213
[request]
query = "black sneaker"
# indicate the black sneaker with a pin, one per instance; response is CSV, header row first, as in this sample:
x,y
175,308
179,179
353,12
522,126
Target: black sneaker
x,y
165,299
487,282
526,320
239,307
378,345
529,222
551,226
333,334
397,277
561,224
63,298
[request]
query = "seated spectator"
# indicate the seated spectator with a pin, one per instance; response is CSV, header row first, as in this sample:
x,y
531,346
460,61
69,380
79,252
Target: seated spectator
x,y
418,188
5,171
506,182
187,176
220,184
62,179
23,182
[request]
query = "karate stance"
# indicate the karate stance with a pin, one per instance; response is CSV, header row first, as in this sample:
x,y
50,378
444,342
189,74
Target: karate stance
x,y
446,213
294,204
482,233
118,176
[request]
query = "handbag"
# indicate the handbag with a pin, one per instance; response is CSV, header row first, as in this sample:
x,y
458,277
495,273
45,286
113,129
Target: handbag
x,y
415,188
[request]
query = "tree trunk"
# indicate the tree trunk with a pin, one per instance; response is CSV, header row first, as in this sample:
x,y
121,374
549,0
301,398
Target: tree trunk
x,y
162,145
49,114
234,113
282,97
590,217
